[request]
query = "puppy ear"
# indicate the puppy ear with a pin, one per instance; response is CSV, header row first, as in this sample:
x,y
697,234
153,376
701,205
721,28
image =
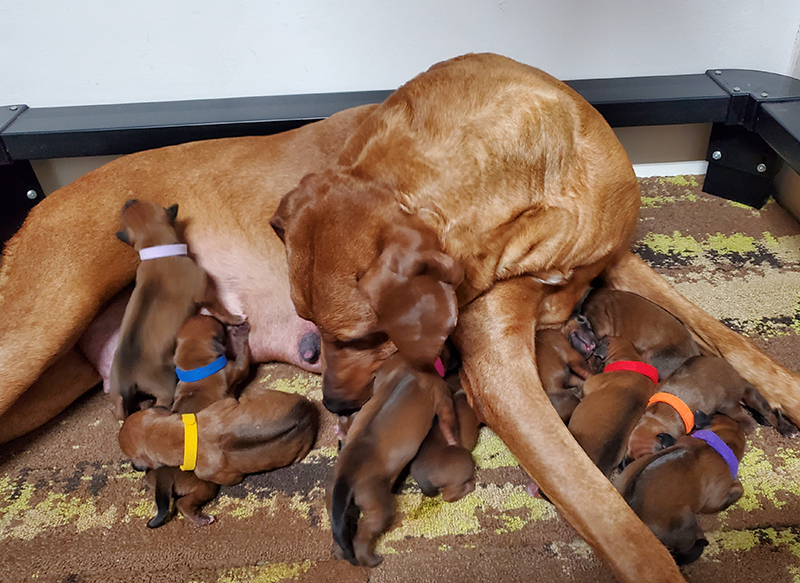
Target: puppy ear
x,y
123,236
411,287
172,213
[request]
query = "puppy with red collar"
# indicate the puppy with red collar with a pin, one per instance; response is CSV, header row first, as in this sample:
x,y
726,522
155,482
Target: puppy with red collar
x,y
383,437
613,401
170,287
260,431
705,384
205,375
696,475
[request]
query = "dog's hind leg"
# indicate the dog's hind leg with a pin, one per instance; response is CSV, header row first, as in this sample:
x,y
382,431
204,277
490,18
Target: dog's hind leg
x,y
495,335
377,508
58,386
779,385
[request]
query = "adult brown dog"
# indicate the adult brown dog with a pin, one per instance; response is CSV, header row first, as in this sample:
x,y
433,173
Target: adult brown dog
x,y
499,168
562,370
259,432
382,439
663,341
168,291
669,488
440,467
612,404
707,384
201,343
228,189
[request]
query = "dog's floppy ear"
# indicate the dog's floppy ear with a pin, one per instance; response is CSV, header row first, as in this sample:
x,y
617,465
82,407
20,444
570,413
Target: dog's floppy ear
x,y
123,236
411,287
172,213
290,205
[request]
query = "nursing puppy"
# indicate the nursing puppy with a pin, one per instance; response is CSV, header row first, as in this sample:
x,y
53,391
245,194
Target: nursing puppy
x,y
382,439
661,339
562,370
668,489
204,377
170,287
448,469
707,384
261,431
612,404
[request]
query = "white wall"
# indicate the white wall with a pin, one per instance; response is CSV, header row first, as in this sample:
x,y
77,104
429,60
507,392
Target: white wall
x,y
96,51
58,52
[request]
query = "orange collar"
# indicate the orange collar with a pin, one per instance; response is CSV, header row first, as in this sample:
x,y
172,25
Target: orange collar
x,y
634,366
677,404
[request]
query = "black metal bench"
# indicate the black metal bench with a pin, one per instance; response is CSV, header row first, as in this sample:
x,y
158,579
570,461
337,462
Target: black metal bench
x,y
755,117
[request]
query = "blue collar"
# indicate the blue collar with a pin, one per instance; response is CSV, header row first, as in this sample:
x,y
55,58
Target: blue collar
x,y
198,374
720,447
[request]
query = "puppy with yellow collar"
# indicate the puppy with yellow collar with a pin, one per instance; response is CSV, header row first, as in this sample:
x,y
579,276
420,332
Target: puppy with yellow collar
x,y
225,441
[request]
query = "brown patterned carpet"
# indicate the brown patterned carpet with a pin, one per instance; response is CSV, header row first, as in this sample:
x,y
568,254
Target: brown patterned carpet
x,y
72,509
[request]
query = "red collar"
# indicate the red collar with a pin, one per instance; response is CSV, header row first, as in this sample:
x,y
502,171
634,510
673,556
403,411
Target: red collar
x,y
634,366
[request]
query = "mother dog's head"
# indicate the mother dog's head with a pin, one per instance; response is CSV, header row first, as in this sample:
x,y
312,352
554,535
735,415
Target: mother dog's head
x,y
372,277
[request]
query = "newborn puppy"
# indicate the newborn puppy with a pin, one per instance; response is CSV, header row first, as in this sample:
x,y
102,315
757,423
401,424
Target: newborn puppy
x,y
383,438
613,401
261,431
205,376
668,489
661,339
562,370
707,384
449,469
170,287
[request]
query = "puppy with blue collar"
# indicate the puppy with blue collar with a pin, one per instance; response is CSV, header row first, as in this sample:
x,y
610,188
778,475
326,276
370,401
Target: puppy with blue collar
x,y
205,376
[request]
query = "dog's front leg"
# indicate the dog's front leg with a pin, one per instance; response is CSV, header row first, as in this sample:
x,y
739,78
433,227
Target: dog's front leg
x,y
779,385
495,335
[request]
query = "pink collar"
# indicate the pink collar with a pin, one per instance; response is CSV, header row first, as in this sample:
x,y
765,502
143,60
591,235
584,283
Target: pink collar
x,y
159,251
634,366
439,366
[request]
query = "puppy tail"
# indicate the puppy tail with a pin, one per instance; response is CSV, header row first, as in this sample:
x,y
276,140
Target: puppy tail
x,y
344,518
163,489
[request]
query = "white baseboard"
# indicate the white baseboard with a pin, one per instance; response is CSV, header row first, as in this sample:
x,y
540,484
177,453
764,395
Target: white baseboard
x,y
670,168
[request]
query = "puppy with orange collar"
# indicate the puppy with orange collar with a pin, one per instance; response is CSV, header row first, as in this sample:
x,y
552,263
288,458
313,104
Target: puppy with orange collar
x,y
562,370
696,475
383,437
661,339
260,431
613,401
170,287
205,376
707,384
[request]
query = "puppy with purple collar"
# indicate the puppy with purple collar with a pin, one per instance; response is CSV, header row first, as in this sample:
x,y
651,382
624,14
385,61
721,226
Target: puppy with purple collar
x,y
696,475
170,287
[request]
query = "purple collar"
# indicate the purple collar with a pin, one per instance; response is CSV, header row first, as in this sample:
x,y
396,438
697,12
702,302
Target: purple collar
x,y
720,447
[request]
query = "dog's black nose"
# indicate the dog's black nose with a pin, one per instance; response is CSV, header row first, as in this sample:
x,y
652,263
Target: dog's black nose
x,y
309,347
339,406
139,468
666,440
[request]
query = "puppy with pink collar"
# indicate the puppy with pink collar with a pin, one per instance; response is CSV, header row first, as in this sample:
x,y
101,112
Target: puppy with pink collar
x,y
170,287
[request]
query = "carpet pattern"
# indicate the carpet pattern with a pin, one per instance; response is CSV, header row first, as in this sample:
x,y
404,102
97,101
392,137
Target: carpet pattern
x,y
73,510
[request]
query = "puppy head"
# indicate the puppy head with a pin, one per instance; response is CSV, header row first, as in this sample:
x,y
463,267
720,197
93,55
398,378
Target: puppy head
x,y
645,438
137,436
146,223
372,278
200,337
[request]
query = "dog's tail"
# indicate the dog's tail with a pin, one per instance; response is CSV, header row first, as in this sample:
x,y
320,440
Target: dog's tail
x,y
163,490
344,517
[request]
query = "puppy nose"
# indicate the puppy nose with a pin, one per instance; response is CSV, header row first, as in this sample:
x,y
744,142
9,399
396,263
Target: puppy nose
x,y
309,347
138,468
666,440
339,406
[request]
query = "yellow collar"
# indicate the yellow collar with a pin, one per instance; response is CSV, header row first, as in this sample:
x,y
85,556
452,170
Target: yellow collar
x,y
189,441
